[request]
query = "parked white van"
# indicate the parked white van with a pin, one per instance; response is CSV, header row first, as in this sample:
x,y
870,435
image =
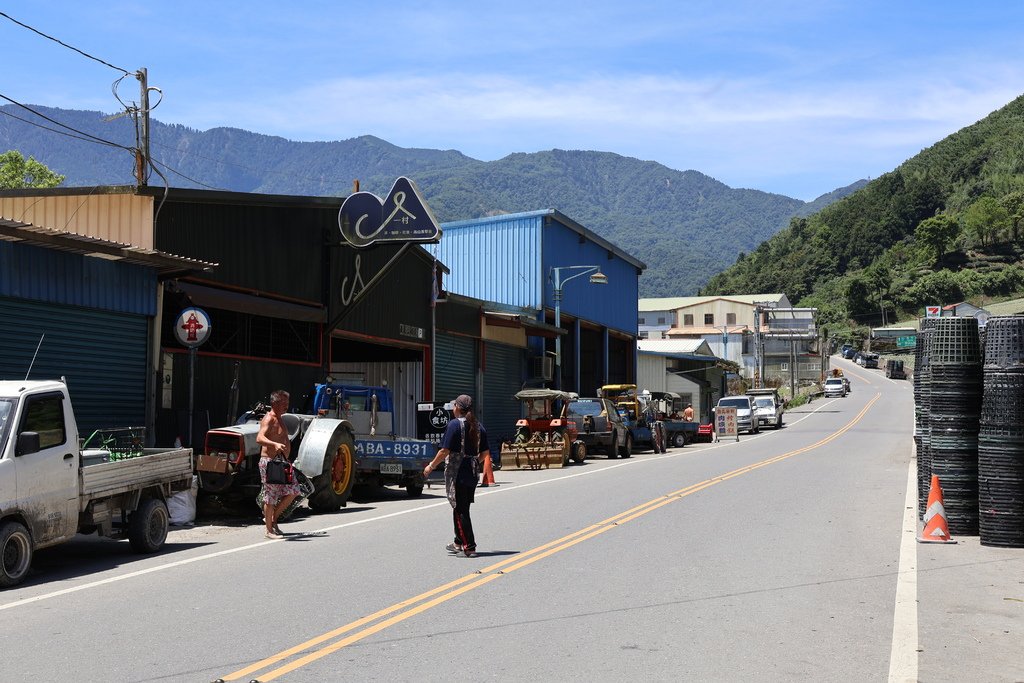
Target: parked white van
x,y
744,406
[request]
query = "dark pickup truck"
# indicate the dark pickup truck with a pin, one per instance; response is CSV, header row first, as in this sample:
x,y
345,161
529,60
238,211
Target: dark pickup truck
x,y
600,427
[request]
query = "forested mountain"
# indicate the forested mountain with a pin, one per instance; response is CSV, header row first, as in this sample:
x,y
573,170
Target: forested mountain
x,y
943,227
684,225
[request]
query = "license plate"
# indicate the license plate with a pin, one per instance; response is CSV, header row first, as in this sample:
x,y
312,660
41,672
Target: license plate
x,y
391,468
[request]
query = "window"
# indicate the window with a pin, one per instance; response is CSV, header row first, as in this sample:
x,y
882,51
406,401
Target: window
x,y
641,320
643,334
45,415
709,318
784,367
661,320
730,318
688,319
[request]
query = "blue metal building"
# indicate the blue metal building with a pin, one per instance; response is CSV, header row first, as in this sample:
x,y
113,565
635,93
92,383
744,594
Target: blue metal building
x,y
511,259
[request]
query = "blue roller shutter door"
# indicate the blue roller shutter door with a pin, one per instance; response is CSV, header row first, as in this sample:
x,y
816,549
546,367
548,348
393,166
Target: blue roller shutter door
x,y
502,379
101,354
455,366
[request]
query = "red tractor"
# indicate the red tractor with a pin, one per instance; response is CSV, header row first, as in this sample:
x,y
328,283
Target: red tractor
x,y
544,438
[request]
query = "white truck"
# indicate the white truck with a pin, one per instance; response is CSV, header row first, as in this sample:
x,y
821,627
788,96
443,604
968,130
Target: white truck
x,y
50,489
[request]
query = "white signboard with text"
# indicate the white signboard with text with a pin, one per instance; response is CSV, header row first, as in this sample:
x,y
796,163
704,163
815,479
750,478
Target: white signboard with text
x,y
725,422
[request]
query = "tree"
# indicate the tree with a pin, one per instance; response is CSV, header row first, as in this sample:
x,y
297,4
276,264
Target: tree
x,y
1014,205
937,233
986,219
16,173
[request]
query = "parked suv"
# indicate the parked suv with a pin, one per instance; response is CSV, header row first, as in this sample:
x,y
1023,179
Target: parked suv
x,y
768,406
600,427
744,405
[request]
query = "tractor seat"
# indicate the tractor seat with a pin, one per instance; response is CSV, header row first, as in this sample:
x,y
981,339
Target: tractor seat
x,y
293,425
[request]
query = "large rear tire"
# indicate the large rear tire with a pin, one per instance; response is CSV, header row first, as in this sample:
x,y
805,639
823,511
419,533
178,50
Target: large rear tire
x,y
678,440
15,553
147,526
333,485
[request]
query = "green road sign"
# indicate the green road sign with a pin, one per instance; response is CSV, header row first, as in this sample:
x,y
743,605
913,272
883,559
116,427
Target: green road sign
x,y
905,342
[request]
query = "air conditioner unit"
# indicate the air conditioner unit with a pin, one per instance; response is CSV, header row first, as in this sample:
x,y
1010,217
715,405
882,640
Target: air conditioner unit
x,y
542,367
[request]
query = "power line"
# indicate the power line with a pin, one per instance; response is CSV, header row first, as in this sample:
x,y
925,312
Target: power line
x,y
62,125
52,130
60,42
179,173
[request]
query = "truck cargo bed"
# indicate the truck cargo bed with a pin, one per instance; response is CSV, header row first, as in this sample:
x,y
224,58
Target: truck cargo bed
x,y
156,466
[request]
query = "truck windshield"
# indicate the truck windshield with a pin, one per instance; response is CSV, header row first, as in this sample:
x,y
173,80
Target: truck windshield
x,y
734,403
764,403
6,416
585,407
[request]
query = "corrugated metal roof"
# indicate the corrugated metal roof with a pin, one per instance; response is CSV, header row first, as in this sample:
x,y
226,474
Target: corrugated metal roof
x,y
62,240
561,218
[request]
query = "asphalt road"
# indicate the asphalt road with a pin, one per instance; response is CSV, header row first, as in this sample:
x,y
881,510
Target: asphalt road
x,y
783,556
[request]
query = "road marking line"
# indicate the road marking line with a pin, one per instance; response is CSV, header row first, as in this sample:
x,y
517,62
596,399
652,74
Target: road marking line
x,y
903,656
221,553
420,603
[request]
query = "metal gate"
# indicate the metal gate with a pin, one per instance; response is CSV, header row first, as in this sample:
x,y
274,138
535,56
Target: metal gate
x,y
502,379
455,366
102,355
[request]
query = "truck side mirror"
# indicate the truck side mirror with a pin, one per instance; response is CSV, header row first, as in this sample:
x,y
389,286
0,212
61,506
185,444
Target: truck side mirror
x,y
28,443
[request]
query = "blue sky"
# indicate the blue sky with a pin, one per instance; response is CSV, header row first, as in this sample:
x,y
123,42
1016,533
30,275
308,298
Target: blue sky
x,y
797,98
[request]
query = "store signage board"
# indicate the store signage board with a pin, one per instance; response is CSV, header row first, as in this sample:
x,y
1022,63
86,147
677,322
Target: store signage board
x,y
725,422
403,216
932,311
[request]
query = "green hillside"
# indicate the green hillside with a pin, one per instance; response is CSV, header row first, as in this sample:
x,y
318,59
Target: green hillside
x,y
943,227
684,225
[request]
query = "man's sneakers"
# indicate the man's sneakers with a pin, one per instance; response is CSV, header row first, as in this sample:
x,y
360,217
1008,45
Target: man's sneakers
x,y
455,549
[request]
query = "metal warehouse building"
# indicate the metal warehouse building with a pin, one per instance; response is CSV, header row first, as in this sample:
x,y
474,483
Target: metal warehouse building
x,y
516,259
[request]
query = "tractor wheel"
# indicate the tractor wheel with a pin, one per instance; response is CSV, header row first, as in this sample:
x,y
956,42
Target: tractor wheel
x,y
678,440
15,553
334,485
147,526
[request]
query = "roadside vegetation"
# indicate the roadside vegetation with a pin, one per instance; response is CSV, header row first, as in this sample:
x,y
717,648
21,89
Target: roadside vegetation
x,y
944,227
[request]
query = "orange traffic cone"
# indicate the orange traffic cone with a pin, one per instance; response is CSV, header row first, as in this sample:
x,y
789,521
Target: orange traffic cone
x,y
936,530
488,473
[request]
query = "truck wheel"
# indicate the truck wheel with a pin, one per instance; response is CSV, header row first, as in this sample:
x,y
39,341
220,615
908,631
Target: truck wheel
x,y
579,452
627,448
414,490
147,526
15,553
613,447
678,440
333,485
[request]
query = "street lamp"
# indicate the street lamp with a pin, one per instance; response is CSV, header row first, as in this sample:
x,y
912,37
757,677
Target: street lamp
x,y
596,278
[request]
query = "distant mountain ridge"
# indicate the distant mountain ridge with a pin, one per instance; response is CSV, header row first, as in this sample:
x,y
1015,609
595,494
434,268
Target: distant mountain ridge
x,y
684,225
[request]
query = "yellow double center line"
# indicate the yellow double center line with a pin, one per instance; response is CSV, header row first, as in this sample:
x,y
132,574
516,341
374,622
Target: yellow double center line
x,y
376,622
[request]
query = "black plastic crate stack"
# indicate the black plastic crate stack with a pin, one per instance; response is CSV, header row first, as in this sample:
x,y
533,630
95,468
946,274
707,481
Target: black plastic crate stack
x,y
922,401
1001,439
954,413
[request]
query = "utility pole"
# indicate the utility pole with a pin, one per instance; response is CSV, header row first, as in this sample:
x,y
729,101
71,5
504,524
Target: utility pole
x,y
142,152
757,347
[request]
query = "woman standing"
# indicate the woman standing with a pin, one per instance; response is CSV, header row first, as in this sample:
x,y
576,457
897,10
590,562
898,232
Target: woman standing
x,y
463,448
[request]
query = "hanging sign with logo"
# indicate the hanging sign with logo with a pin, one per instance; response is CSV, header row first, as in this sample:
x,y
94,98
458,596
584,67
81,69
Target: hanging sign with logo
x,y
432,419
365,219
192,327
932,311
